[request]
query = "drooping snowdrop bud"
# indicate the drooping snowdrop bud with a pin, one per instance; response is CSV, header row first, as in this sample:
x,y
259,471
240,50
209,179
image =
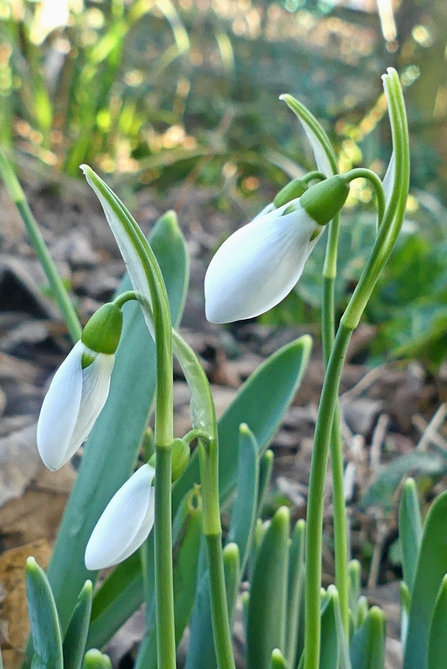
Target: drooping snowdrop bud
x,y
79,389
258,265
125,523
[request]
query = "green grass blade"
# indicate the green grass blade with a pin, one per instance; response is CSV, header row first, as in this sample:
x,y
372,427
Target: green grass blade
x,y
76,635
44,621
232,569
430,570
410,530
113,444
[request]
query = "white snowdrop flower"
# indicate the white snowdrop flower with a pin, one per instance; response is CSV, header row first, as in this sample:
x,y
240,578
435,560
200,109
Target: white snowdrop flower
x,y
258,265
125,523
71,406
79,389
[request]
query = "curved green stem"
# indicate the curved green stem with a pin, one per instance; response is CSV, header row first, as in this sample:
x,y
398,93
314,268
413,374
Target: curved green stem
x,y
121,300
57,286
315,175
362,173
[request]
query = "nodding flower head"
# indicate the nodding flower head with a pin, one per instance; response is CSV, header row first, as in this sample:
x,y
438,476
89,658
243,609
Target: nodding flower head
x,y
79,389
125,523
260,263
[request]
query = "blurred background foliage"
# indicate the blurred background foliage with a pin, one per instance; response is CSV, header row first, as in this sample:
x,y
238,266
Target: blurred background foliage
x,y
156,93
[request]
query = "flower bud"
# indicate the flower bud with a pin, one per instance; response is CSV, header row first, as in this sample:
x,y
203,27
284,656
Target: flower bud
x,y
125,523
79,389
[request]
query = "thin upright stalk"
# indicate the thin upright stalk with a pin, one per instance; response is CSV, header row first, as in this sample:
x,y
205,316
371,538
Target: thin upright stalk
x,y
57,286
166,650
336,446
315,505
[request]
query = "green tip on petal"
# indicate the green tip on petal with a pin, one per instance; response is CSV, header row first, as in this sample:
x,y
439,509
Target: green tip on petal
x,y
291,191
324,200
103,331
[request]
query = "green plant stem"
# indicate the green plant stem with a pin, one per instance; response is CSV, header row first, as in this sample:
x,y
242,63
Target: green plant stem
x,y
60,293
336,446
315,507
163,560
362,173
121,300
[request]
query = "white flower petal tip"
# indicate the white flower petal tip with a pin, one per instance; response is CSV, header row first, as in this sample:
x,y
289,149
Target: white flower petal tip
x,y
259,264
71,406
125,523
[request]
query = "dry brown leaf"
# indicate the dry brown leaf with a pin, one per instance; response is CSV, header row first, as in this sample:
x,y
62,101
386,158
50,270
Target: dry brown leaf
x,y
14,614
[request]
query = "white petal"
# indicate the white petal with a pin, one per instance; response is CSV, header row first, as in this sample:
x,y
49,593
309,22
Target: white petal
x,y
60,410
125,522
258,265
95,390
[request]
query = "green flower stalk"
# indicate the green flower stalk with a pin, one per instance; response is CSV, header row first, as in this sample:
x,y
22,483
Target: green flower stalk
x,y
386,238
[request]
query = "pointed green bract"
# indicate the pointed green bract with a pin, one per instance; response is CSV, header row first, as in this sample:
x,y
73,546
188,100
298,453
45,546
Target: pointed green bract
x,y
44,621
410,530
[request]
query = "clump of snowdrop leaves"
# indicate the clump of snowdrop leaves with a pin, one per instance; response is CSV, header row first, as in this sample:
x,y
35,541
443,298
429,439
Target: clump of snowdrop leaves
x,y
260,263
125,523
79,389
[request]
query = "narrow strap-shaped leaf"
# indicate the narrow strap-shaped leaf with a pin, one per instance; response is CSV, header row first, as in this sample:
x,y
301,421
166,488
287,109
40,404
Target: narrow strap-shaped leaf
x,y
265,474
243,517
232,574
410,530
294,590
368,643
430,570
76,634
116,436
355,571
343,650
329,641
437,639
268,594
44,621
